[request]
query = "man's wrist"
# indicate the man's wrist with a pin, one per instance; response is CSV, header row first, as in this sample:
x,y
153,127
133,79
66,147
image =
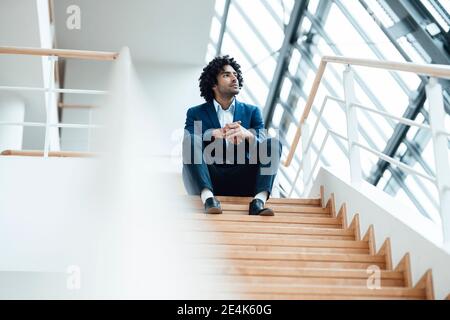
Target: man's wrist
x,y
250,137
218,133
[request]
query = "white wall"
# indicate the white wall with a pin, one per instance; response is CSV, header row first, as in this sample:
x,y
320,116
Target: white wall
x,y
169,88
12,109
173,89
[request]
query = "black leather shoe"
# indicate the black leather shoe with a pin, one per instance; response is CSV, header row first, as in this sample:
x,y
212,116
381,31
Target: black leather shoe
x,y
256,208
212,206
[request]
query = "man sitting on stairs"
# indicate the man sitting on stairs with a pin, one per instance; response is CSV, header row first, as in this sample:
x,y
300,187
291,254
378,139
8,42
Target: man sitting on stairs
x,y
225,148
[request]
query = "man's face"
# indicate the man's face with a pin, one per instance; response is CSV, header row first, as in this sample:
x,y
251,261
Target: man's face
x,y
227,82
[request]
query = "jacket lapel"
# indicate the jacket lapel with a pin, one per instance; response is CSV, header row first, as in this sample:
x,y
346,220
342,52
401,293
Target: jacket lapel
x,y
237,111
212,113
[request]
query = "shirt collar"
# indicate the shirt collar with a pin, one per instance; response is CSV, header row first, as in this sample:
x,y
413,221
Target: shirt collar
x,y
219,107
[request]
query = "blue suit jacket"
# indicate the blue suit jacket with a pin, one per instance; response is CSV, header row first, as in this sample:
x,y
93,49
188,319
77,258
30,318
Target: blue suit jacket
x,y
206,115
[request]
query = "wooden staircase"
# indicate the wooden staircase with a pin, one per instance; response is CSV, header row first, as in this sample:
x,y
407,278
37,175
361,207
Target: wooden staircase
x,y
305,251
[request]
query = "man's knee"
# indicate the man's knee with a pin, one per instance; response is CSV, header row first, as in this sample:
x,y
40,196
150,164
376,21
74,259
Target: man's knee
x,y
192,149
270,147
274,145
269,156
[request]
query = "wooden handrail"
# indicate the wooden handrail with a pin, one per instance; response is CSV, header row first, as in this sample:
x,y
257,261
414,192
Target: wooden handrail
x,y
75,106
436,70
64,53
37,153
431,70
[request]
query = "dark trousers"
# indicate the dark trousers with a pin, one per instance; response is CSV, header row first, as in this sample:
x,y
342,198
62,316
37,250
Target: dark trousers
x,y
231,179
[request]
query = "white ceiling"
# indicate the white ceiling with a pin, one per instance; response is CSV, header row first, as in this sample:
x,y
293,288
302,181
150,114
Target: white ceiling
x,y
171,31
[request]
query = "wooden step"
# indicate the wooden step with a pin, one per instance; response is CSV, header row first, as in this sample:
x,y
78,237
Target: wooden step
x,y
294,256
212,263
303,252
223,226
275,201
277,213
266,224
281,296
278,208
329,222
268,236
325,291
303,276
285,280
225,247
301,202
276,240
300,272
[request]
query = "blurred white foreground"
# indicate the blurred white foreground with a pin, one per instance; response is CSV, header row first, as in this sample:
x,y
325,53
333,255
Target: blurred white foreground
x,y
106,227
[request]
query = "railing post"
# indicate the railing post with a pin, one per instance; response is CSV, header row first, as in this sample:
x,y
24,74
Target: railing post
x,y
49,105
441,157
306,157
352,126
89,131
295,180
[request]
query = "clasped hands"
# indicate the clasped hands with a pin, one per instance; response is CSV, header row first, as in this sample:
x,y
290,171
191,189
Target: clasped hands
x,y
234,133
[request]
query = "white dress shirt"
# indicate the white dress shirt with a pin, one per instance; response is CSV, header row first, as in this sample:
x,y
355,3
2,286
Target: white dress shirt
x,y
225,116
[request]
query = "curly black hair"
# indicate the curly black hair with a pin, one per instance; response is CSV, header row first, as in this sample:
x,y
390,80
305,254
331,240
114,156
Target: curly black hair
x,y
208,78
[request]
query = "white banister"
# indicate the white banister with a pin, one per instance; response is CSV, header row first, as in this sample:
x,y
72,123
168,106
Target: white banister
x,y
441,157
306,155
439,71
49,104
294,183
432,70
397,163
50,89
399,119
386,158
437,128
308,142
309,177
352,127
